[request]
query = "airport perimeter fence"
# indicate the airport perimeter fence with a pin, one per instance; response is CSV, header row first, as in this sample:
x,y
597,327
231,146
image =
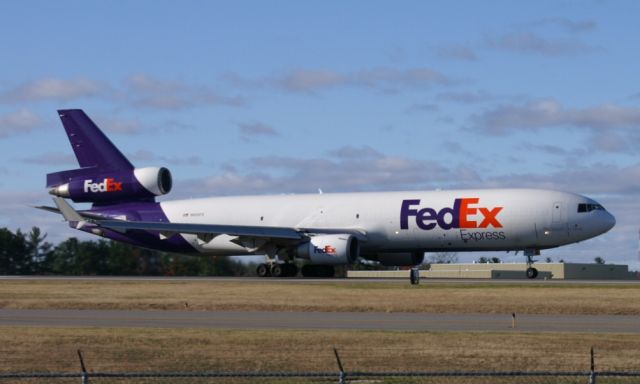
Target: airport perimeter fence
x,y
339,376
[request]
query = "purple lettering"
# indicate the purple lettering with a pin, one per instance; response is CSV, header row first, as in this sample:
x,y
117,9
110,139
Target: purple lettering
x,y
426,214
406,211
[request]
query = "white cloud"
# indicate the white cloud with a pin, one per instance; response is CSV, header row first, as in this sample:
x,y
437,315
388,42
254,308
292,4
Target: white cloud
x,y
384,79
596,179
456,52
466,97
568,25
51,158
311,79
423,107
121,126
550,113
146,91
420,77
21,121
55,89
135,126
250,131
18,213
529,42
149,157
140,90
343,169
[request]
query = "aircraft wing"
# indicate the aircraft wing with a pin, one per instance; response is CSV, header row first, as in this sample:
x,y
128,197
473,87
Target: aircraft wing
x,y
203,231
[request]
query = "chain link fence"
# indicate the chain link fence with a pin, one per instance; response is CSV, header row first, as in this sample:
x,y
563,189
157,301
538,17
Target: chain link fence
x,y
340,376
327,377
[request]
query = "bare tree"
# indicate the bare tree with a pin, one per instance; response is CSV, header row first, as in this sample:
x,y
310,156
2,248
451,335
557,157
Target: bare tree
x,y
489,260
442,258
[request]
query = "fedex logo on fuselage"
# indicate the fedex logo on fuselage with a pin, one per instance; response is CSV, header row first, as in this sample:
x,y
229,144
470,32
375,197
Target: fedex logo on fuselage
x,y
461,215
107,185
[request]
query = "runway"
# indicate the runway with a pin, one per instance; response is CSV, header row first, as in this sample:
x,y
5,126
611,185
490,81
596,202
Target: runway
x,y
320,320
300,280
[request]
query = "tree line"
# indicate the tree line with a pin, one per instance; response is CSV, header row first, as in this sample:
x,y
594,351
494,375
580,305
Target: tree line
x,y
30,254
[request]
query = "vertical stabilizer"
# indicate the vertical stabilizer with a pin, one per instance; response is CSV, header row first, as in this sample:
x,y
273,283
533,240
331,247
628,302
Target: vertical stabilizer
x,y
105,176
92,148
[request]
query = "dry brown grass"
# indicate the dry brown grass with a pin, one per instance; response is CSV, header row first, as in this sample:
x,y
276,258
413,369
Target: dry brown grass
x,y
335,296
54,349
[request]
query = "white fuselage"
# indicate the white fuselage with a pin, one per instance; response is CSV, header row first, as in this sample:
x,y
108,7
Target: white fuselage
x,y
455,220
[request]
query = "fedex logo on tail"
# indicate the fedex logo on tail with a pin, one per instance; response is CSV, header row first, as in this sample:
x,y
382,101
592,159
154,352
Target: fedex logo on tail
x,y
107,185
465,213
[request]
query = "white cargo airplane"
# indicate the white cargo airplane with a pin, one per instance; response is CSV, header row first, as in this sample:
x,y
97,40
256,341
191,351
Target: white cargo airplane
x,y
324,230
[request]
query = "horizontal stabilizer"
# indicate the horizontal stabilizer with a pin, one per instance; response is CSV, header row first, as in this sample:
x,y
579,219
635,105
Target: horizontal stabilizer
x,y
69,214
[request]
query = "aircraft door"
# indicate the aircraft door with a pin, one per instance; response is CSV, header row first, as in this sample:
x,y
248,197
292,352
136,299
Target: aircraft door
x,y
557,215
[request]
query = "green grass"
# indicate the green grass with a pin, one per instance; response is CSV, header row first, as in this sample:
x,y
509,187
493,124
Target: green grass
x,y
26,349
328,297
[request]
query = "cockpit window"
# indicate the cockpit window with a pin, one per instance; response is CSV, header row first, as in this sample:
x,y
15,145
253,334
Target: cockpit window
x,y
589,207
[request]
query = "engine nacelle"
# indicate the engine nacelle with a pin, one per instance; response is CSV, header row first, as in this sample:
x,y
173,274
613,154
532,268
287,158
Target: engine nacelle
x,y
330,249
399,259
86,187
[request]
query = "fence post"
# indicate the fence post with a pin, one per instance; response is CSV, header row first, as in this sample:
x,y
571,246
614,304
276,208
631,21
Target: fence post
x,y
592,375
343,376
85,375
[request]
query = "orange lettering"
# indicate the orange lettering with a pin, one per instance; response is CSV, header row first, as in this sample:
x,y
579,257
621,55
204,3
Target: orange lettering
x,y
490,217
465,211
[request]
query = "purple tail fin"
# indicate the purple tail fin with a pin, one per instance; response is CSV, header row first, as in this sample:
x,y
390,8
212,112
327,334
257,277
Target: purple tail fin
x,y
91,146
94,151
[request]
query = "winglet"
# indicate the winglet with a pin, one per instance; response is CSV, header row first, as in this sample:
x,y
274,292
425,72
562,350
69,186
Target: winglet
x,y
70,214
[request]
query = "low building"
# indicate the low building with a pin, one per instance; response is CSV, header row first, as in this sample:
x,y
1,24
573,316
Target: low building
x,y
568,271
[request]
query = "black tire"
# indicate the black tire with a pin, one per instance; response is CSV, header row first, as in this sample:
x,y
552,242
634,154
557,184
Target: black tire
x,y
532,273
308,271
292,270
318,271
278,270
330,271
263,270
326,271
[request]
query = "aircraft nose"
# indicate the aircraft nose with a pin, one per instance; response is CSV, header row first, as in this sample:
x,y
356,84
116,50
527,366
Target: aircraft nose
x,y
608,222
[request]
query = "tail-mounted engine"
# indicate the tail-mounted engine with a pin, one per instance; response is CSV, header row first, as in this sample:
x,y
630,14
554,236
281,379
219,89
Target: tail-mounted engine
x,y
84,186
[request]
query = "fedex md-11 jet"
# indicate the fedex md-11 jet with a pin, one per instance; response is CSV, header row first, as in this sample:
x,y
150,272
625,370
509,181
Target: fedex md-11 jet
x,y
323,230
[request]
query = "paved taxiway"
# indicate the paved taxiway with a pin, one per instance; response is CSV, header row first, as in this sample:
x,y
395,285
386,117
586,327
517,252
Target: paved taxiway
x,y
319,320
300,280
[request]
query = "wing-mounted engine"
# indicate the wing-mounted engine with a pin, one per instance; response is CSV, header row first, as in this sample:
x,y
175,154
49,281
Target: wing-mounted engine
x,y
87,185
332,249
397,259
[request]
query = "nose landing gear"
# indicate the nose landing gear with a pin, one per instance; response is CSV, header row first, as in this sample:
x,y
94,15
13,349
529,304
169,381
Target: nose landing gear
x,y
532,272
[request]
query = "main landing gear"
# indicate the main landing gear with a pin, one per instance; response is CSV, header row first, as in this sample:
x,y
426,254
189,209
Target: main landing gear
x,y
318,271
291,270
277,270
532,272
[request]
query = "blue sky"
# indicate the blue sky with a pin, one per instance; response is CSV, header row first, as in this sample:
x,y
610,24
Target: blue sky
x,y
250,97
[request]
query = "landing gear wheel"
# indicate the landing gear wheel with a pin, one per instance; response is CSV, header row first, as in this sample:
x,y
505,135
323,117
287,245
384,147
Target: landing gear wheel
x,y
308,271
532,273
318,271
278,270
263,270
291,270
329,271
